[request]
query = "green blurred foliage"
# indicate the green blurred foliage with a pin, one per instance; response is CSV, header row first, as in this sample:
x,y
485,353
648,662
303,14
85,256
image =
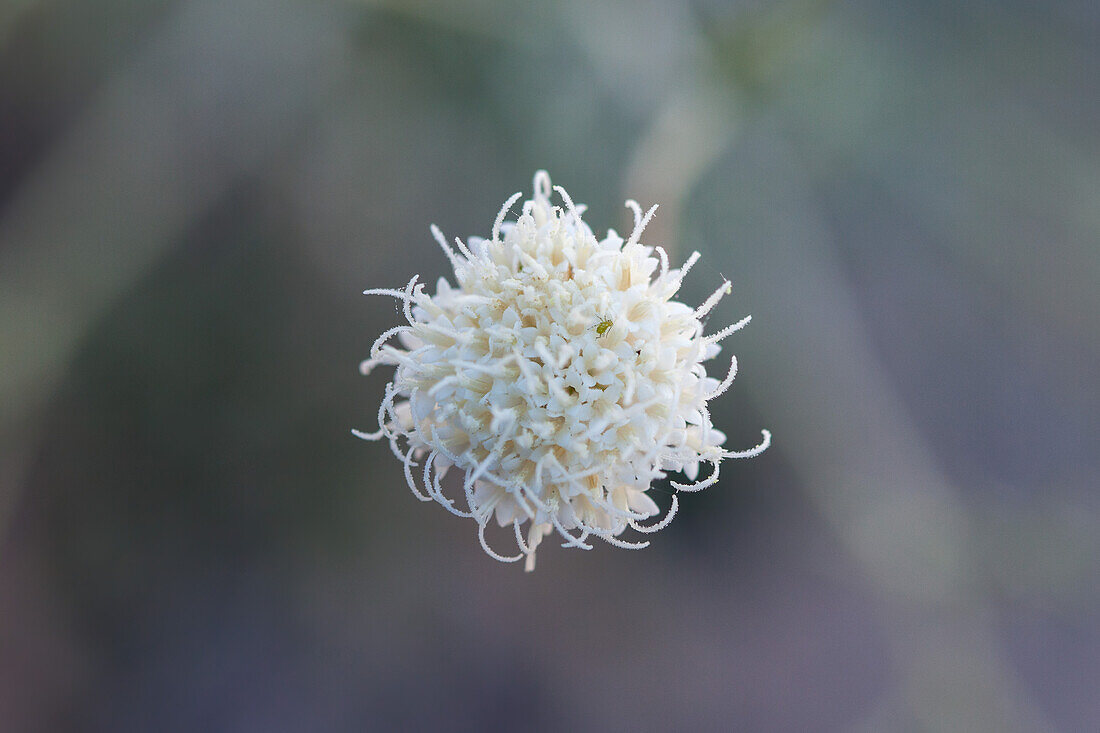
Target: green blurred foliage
x,y
193,193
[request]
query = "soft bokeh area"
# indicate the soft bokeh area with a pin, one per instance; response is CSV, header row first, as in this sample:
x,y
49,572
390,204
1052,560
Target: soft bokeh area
x,y
194,193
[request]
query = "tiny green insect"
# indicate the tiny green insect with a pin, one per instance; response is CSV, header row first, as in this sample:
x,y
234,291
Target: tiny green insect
x,y
603,326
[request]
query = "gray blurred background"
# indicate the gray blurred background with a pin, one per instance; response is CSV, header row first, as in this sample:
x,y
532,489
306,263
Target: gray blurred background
x,y
193,193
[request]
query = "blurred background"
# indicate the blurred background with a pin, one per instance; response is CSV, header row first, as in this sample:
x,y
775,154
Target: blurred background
x,y
194,193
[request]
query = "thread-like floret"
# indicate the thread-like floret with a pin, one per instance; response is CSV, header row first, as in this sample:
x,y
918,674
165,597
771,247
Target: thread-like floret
x,y
560,379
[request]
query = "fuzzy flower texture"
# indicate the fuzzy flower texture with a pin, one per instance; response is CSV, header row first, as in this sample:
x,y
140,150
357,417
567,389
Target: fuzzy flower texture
x,y
559,378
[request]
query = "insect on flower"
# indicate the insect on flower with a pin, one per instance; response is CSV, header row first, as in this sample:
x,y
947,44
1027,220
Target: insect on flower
x,y
553,424
603,326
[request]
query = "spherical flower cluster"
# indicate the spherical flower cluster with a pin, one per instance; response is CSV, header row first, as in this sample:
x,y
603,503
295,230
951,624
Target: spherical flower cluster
x,y
560,379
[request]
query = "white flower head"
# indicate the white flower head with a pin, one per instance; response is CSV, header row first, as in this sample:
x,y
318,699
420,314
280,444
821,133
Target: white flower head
x,y
559,378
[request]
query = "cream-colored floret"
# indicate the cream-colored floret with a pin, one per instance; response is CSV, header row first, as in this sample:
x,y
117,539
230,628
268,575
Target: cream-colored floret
x,y
559,378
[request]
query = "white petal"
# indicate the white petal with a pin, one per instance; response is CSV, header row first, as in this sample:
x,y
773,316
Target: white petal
x,y
642,504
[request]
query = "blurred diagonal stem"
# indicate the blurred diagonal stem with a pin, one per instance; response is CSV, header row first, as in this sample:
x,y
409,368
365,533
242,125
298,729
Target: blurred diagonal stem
x,y
864,463
208,99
